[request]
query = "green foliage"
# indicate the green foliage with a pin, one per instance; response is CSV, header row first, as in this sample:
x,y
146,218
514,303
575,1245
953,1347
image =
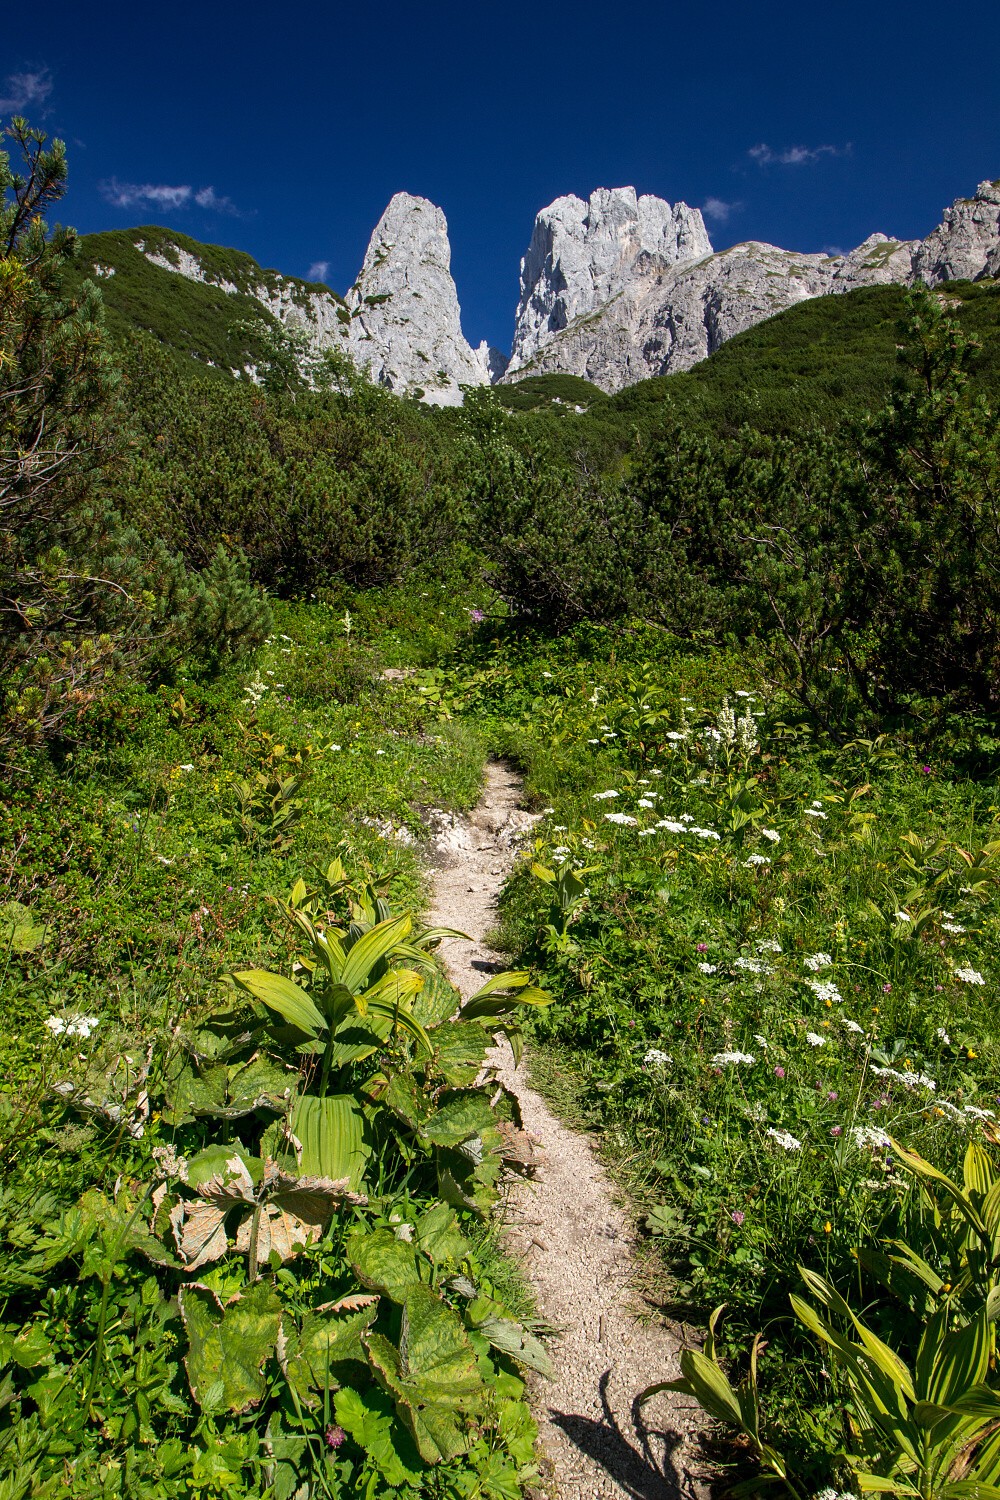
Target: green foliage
x,y
766,951
220,332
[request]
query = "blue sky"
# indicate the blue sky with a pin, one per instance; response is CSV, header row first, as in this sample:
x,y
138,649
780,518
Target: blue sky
x,y
285,130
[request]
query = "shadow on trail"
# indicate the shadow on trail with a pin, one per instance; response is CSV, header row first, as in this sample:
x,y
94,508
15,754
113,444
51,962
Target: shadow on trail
x,y
630,1460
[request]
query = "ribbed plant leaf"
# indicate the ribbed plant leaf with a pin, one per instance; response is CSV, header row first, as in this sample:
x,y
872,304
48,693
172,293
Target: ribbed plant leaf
x,y
229,1346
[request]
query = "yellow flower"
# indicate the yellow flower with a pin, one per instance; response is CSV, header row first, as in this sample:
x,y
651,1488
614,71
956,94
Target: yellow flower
x,y
970,1053
827,1227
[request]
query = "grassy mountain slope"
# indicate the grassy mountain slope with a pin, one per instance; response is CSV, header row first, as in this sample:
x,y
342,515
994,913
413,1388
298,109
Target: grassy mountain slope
x,y
815,363
199,320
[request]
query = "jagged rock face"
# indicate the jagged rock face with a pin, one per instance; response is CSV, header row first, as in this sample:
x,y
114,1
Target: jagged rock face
x,y
405,326
584,254
400,322
649,314
966,244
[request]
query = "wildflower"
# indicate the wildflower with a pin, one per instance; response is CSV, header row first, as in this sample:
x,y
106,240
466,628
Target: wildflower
x,y
969,976
656,1059
646,802
706,833
708,968
701,947
671,826
686,818
813,812
887,989
779,1072
786,1141
870,1138
772,834
622,818
755,859
754,965
836,1130
768,945
187,767
603,796
732,1059
817,961
737,1217
814,1040
56,1025
902,916
825,990
850,1025
336,1435
827,1227
943,1036
673,735
955,927
979,1114
908,1080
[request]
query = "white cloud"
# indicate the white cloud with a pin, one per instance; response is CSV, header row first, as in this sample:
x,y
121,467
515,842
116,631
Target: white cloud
x,y
25,90
793,156
144,194
207,197
718,209
164,195
318,270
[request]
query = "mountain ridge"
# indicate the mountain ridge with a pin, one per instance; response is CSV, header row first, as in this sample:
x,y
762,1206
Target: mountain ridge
x,y
613,289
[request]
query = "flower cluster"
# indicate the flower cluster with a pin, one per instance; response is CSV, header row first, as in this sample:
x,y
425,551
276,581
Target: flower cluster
x,y
72,1025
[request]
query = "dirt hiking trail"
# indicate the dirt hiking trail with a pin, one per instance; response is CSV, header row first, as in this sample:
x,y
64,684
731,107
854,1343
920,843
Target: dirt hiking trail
x,y
571,1238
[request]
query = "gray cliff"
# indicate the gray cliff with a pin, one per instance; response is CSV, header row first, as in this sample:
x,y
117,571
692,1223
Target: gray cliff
x,y
616,319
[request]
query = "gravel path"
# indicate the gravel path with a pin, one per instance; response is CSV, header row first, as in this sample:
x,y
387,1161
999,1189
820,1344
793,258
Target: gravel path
x,y
573,1240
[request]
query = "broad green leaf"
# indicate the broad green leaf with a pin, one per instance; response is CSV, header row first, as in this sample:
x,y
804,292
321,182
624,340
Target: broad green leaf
x,y
19,932
511,1338
354,1041
433,1376
875,1484
334,1137
406,1099
371,948
977,1170
437,1002
962,1362
921,1168
463,1115
403,1020
439,1236
370,1421
285,997
313,1353
229,1346
459,1051
383,1262
710,1387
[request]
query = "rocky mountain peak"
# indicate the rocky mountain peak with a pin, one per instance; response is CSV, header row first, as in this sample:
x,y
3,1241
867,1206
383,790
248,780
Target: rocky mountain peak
x,y
406,326
582,254
966,244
